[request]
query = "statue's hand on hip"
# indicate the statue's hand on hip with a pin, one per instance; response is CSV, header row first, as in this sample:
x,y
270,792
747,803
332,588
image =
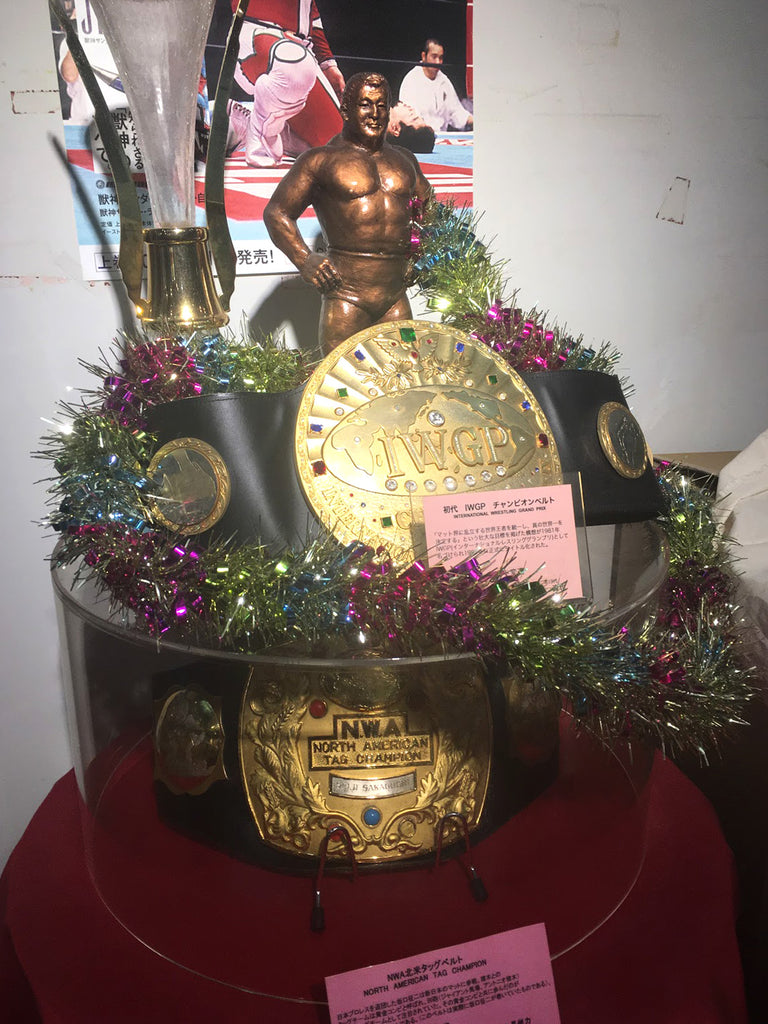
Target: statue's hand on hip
x,y
319,270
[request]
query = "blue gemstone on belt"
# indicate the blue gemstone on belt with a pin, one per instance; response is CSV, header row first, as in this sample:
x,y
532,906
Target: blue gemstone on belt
x,y
371,816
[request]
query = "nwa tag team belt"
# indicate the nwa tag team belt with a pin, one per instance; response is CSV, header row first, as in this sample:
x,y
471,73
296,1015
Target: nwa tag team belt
x,y
263,759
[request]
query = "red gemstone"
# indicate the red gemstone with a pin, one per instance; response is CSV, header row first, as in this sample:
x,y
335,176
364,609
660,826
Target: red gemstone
x,y
318,709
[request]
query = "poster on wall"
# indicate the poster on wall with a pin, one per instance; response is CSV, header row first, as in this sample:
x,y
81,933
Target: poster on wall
x,y
294,58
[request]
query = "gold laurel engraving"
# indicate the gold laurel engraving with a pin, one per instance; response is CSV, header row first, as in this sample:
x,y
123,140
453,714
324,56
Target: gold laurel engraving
x,y
290,803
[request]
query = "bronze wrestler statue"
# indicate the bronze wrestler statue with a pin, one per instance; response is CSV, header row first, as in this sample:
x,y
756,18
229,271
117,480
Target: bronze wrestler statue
x,y
361,188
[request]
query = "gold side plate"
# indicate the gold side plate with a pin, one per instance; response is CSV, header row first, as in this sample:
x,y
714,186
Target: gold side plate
x,y
193,485
189,741
622,440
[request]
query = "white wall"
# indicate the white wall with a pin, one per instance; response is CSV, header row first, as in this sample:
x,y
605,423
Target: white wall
x,y
587,114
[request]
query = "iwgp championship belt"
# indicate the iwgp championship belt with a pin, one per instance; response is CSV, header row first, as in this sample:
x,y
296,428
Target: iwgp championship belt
x,y
409,409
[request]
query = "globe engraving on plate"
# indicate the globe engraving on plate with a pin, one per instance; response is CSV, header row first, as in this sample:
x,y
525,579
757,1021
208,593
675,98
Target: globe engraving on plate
x,y
622,440
191,484
407,409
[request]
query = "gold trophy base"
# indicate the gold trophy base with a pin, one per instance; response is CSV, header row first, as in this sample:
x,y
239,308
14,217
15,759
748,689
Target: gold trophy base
x,y
180,288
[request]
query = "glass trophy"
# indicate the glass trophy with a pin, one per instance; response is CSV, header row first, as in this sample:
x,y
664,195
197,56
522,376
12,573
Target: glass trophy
x,y
158,49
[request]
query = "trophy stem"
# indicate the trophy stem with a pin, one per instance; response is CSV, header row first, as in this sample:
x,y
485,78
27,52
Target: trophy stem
x,y
180,288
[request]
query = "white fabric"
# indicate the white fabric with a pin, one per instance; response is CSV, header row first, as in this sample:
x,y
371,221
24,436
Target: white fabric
x,y
81,108
435,100
279,93
277,96
742,507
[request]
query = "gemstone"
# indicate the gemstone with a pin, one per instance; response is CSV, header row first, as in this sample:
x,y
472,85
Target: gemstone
x,y
371,816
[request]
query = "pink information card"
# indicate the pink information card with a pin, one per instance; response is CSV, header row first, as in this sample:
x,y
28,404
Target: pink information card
x,y
501,979
531,528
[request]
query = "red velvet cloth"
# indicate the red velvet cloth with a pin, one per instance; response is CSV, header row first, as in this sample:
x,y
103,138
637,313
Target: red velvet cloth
x,y
668,954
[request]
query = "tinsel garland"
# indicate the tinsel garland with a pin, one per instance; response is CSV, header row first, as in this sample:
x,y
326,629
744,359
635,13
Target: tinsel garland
x,y
463,282
679,682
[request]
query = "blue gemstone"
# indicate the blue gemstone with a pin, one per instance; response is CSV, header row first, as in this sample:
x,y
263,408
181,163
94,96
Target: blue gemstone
x,y
371,816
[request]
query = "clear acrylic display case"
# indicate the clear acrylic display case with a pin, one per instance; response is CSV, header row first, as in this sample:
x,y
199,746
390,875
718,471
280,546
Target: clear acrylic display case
x,y
568,854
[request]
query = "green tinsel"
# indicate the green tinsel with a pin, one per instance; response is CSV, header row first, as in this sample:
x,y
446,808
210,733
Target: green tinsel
x,y
463,282
100,467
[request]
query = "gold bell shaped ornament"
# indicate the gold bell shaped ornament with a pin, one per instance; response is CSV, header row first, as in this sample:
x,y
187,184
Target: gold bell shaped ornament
x,y
158,47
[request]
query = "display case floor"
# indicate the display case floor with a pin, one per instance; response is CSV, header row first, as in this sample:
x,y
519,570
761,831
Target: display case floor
x,y
569,859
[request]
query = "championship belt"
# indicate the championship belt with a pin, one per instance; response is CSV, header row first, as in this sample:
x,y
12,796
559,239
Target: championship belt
x,y
264,756
263,759
598,437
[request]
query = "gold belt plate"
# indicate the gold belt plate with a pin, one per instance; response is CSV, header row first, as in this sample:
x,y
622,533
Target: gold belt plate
x,y
408,409
383,750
